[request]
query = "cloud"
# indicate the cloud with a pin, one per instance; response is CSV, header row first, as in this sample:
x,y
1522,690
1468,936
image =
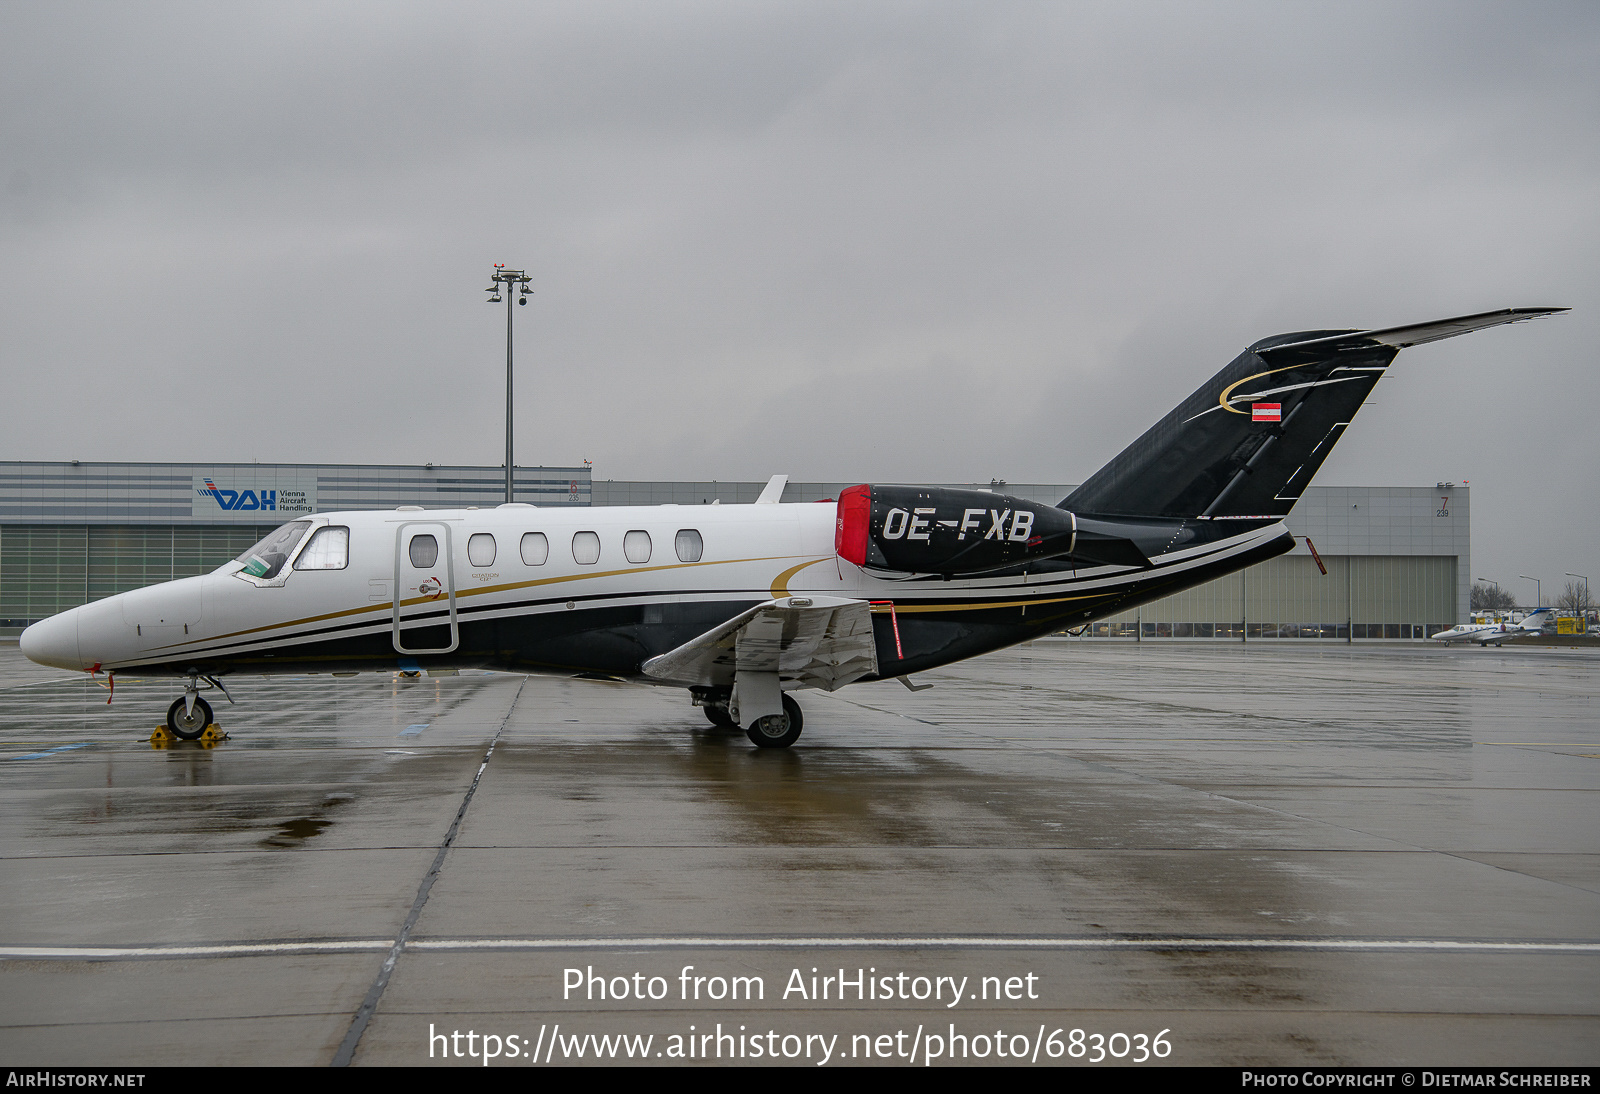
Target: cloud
x,y
905,241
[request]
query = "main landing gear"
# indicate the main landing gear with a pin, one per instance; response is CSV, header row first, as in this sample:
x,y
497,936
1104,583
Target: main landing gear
x,y
773,731
777,730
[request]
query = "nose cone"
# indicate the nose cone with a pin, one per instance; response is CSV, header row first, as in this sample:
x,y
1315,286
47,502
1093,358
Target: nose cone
x,y
54,641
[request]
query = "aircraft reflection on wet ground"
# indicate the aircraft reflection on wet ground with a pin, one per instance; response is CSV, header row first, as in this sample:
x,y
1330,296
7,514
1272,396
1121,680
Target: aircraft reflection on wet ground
x,y
1282,855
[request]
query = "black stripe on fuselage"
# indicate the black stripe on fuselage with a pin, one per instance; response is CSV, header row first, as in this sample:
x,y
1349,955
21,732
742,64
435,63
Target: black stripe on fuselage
x,y
1009,596
601,636
386,618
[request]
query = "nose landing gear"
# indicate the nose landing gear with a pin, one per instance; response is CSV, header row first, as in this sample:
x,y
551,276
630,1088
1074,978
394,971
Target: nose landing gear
x,y
188,716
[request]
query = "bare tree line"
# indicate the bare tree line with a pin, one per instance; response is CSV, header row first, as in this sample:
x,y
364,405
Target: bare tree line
x,y
1575,598
1487,597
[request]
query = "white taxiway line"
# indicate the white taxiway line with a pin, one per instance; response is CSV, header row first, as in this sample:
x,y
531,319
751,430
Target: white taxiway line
x,y
980,943
236,949
371,945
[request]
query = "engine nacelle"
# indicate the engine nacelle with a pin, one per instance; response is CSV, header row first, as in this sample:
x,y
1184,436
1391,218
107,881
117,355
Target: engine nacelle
x,y
929,530
932,530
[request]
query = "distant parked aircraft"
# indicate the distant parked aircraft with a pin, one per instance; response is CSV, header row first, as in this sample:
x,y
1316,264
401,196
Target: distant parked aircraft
x,y
1485,633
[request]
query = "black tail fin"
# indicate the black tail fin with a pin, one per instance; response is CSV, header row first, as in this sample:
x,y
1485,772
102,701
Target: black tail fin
x,y
1247,443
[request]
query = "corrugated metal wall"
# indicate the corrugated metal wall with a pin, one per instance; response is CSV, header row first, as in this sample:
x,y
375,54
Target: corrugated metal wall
x,y
1288,597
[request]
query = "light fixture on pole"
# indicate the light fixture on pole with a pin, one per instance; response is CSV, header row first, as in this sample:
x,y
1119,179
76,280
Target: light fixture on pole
x,y
1585,612
1495,602
1538,597
518,280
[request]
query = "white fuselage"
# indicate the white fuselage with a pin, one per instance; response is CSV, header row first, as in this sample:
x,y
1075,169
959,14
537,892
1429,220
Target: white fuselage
x,y
383,609
744,554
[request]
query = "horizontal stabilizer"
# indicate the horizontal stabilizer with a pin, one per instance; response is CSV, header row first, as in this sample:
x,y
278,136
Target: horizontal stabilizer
x,y
809,641
1416,334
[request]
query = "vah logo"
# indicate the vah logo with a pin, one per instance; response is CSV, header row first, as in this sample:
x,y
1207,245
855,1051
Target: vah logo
x,y
233,499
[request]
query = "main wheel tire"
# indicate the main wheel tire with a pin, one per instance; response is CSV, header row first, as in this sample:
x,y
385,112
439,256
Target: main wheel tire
x,y
777,730
719,716
188,725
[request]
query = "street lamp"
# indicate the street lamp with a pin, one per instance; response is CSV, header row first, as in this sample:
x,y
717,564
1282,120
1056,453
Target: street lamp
x,y
518,280
1538,597
1496,585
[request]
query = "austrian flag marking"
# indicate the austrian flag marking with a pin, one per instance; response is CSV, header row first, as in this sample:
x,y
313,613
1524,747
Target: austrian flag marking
x,y
1266,412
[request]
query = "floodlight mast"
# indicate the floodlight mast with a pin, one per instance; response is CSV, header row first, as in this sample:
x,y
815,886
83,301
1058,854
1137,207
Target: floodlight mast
x,y
1538,596
519,280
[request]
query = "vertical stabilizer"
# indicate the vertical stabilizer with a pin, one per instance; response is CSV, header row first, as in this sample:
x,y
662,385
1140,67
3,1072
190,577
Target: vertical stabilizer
x,y
1247,443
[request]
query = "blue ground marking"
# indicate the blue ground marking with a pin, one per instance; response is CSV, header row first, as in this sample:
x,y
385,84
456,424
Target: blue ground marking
x,y
414,731
49,752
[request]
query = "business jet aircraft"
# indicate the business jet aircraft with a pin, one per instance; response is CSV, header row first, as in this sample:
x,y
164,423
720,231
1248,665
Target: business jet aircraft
x,y
1485,633
743,604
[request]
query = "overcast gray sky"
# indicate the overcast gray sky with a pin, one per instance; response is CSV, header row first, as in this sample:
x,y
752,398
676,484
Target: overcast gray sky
x,y
886,241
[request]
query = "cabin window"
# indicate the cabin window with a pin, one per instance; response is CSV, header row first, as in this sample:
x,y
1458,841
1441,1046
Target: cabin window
x,y
636,546
535,549
424,551
266,558
688,545
329,549
585,548
480,549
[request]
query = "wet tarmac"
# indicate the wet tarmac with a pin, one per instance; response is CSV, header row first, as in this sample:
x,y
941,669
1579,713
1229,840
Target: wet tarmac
x,y
1275,854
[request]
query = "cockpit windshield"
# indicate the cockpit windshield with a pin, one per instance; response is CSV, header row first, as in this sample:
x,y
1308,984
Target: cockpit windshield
x,y
266,558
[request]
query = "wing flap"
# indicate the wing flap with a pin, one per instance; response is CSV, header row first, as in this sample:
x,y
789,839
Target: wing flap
x,y
815,642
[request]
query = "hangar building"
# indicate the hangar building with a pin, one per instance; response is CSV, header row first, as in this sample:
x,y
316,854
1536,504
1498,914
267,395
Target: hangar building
x,y
1397,558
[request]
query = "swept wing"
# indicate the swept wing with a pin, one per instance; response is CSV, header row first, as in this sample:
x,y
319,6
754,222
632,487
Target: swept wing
x,y
808,641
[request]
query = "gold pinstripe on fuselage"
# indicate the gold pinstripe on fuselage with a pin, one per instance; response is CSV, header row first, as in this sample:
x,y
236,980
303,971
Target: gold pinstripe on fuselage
x,y
388,606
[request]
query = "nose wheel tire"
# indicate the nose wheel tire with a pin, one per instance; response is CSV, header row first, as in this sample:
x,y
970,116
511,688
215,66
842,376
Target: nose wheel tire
x,y
719,716
777,730
187,725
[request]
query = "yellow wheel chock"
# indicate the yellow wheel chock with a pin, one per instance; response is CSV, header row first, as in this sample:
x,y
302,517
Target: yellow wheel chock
x,y
163,736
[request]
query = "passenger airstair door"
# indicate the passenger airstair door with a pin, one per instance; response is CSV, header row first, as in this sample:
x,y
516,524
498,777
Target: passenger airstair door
x,y
424,618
